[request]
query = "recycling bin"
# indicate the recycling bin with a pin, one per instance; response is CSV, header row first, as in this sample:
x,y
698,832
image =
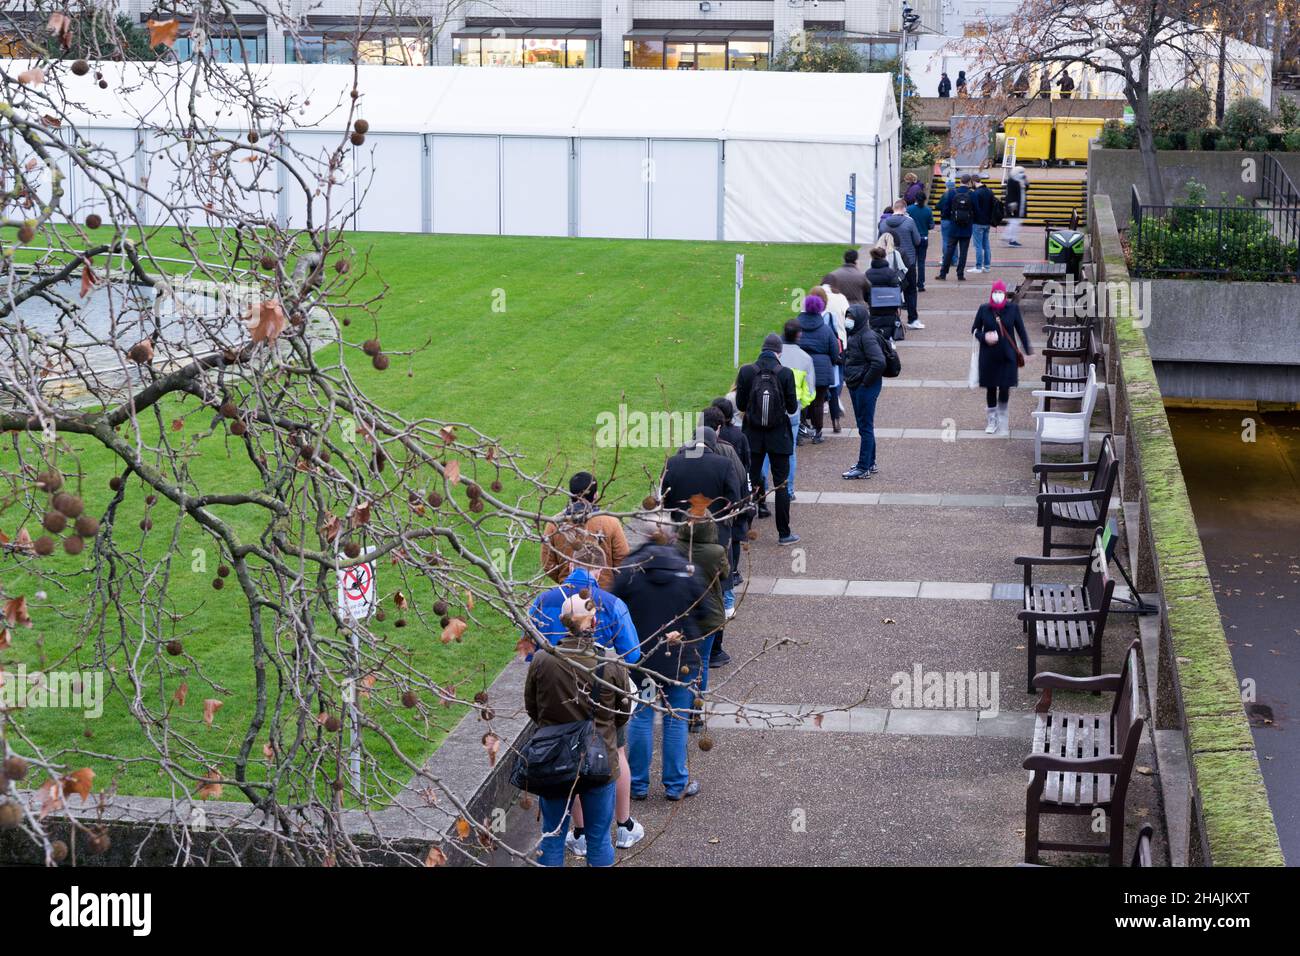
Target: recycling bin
x,y
1072,136
1033,138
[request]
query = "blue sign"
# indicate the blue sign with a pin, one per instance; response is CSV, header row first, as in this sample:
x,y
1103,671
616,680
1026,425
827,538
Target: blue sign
x,y
850,202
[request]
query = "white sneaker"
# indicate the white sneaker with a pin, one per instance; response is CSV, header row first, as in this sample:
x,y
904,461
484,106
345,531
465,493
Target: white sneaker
x,y
577,846
627,838
731,612
974,269
916,325
992,427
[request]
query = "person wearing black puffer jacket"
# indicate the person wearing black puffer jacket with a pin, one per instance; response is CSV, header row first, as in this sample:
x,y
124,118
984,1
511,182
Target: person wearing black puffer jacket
x,y
666,601
864,369
884,276
820,341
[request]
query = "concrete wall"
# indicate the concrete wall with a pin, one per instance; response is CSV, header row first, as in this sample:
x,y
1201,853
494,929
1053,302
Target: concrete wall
x,y
1225,340
1114,171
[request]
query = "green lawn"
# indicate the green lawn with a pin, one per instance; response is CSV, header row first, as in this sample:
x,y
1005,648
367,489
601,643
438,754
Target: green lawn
x,y
529,340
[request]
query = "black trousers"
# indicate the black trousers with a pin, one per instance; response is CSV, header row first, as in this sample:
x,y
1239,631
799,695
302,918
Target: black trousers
x,y
758,442
815,414
909,290
956,248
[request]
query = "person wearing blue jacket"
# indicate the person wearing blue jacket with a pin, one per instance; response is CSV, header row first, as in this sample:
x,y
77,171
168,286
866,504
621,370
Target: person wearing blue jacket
x,y
958,208
982,196
613,629
920,212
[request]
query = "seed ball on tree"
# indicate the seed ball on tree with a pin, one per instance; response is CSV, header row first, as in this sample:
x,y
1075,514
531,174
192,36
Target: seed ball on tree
x,y
218,584
88,734
496,485
238,429
333,724
476,506
381,615
49,481
54,522
400,622
58,851
409,699
80,67
706,742
380,361
26,233
94,221
352,549
70,505
140,353
151,500
358,139
103,84
342,266
44,546
252,136
445,621
175,648
481,697
229,409
73,544
440,608
87,526
114,483
15,767
371,347
223,570
146,524
434,499
361,126
10,815
268,262
98,842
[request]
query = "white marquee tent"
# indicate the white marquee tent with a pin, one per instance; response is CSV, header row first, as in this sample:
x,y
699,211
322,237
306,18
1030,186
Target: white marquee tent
x,y
749,156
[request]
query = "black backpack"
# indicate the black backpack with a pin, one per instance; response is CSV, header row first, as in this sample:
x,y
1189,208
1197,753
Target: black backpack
x,y
893,364
766,408
565,758
999,212
963,210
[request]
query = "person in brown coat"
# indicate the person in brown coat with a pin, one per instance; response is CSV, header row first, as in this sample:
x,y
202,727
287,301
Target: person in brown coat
x,y
850,279
582,514
570,682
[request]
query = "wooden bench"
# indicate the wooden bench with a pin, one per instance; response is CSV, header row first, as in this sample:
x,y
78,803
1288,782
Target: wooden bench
x,y
1068,506
1067,618
1035,275
1081,762
1066,428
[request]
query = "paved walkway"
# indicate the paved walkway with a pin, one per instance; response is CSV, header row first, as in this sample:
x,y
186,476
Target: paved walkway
x,y
911,570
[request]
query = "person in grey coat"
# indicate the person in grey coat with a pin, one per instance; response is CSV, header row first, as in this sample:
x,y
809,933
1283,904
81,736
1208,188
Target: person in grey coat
x,y
907,240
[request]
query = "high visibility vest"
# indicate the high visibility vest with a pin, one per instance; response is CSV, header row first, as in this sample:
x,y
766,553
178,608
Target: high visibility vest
x,y
801,389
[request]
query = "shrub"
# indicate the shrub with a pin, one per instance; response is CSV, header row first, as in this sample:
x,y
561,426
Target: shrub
x,y
1226,143
1291,141
1162,141
1174,111
1247,117
1116,134
1288,113
1178,140
1205,138
1258,144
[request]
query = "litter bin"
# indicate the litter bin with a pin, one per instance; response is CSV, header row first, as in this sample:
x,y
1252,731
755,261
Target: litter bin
x,y
1033,138
1072,136
1066,245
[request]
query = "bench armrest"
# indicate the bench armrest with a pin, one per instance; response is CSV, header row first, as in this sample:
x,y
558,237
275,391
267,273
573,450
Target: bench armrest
x,y
1084,495
1027,560
1050,680
1053,393
1051,467
1044,762
1059,616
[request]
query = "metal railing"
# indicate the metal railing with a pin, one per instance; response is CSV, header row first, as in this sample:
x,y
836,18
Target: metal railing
x,y
1255,243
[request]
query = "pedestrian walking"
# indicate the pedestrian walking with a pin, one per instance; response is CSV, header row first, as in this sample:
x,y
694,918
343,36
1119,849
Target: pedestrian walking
x,y
945,86
996,323
906,238
864,368
819,341
835,320
961,84
801,364
572,682
982,197
584,513
913,191
699,471
698,543
849,279
924,219
665,600
730,435
766,396
1017,203
886,293
1066,85
957,206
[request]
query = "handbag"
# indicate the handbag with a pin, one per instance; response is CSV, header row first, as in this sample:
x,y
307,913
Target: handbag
x,y
886,297
1020,356
565,758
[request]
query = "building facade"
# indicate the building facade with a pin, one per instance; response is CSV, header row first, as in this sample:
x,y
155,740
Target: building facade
x,y
556,34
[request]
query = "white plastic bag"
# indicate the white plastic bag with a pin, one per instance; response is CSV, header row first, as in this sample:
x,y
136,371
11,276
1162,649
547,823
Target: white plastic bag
x,y
973,376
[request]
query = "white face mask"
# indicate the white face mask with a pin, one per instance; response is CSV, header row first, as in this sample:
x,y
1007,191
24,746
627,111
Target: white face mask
x,y
999,297
848,323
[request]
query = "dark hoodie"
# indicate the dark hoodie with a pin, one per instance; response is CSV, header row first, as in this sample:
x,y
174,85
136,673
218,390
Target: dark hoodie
x,y
906,236
820,341
663,595
699,468
698,543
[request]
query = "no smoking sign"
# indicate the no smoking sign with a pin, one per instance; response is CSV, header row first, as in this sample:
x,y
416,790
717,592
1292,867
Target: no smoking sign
x,y
357,595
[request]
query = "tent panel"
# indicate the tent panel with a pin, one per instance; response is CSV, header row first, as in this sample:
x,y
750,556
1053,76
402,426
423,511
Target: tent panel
x,y
114,148
467,184
683,189
612,182
534,186
791,192
388,170
309,154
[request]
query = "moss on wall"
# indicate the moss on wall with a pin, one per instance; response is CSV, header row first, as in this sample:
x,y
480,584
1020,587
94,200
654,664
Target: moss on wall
x,y
1229,790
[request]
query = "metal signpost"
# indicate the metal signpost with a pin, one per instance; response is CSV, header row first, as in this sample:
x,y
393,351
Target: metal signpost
x,y
851,207
740,283
356,602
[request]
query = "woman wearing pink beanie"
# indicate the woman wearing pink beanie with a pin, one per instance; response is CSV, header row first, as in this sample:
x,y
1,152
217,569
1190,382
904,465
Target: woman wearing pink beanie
x,y
996,323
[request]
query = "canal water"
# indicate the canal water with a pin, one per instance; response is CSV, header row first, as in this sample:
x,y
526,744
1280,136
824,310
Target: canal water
x,y
1246,496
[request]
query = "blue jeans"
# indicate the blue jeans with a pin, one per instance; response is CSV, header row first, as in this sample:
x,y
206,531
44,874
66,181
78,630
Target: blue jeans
x,y
641,741
767,468
983,255
706,651
598,818
864,410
